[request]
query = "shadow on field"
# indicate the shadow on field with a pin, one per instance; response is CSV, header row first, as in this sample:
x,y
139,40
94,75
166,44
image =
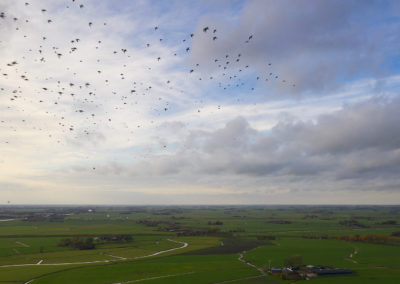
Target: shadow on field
x,y
231,246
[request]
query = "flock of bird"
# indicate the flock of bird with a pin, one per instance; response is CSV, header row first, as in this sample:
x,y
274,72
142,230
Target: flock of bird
x,y
58,93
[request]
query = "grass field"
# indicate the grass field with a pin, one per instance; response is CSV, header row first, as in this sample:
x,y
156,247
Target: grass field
x,y
215,237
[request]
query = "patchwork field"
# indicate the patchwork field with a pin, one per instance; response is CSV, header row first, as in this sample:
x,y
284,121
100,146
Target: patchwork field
x,y
195,244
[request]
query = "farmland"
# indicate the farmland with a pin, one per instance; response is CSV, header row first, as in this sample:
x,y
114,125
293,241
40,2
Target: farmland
x,y
196,244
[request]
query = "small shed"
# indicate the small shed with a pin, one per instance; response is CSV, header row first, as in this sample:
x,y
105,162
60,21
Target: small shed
x,y
276,270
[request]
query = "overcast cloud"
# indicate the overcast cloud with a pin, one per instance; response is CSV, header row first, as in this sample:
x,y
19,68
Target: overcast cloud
x,y
136,102
315,44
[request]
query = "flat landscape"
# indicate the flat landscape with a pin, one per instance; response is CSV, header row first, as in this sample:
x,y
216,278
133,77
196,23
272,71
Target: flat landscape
x,y
223,141
199,244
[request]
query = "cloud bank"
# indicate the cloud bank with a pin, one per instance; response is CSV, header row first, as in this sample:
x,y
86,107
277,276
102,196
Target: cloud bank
x,y
136,102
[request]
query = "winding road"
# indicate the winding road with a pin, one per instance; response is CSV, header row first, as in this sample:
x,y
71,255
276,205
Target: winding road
x,y
241,259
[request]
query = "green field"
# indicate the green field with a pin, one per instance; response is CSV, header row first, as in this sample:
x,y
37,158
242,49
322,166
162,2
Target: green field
x,y
197,244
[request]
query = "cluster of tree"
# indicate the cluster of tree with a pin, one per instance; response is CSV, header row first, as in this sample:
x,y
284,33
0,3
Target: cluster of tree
x,y
352,223
262,238
396,234
178,217
218,223
133,211
322,211
161,213
210,231
371,238
168,211
116,238
152,223
280,222
44,218
363,217
191,233
77,243
171,227
238,230
317,237
291,275
310,216
388,222
294,260
7,216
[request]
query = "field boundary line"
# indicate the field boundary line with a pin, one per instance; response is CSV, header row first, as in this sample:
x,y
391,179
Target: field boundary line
x,y
156,277
239,279
164,251
119,257
22,244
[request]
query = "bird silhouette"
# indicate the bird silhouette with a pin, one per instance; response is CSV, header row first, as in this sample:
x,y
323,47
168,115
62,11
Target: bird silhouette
x,y
101,90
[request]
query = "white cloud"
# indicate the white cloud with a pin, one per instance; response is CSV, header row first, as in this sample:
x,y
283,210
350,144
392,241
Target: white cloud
x,y
184,137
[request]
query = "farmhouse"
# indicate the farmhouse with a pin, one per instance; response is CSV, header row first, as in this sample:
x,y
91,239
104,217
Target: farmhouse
x,y
308,271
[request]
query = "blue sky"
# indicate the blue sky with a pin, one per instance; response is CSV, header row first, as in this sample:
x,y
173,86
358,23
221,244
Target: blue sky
x,y
289,102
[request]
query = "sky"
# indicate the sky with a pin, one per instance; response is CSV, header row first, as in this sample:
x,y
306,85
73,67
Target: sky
x,y
199,102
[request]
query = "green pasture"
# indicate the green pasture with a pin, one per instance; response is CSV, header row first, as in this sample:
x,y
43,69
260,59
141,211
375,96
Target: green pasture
x,y
314,252
140,246
210,257
200,269
21,274
372,263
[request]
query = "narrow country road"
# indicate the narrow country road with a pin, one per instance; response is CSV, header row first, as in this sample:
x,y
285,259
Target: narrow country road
x,y
350,258
155,277
240,258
